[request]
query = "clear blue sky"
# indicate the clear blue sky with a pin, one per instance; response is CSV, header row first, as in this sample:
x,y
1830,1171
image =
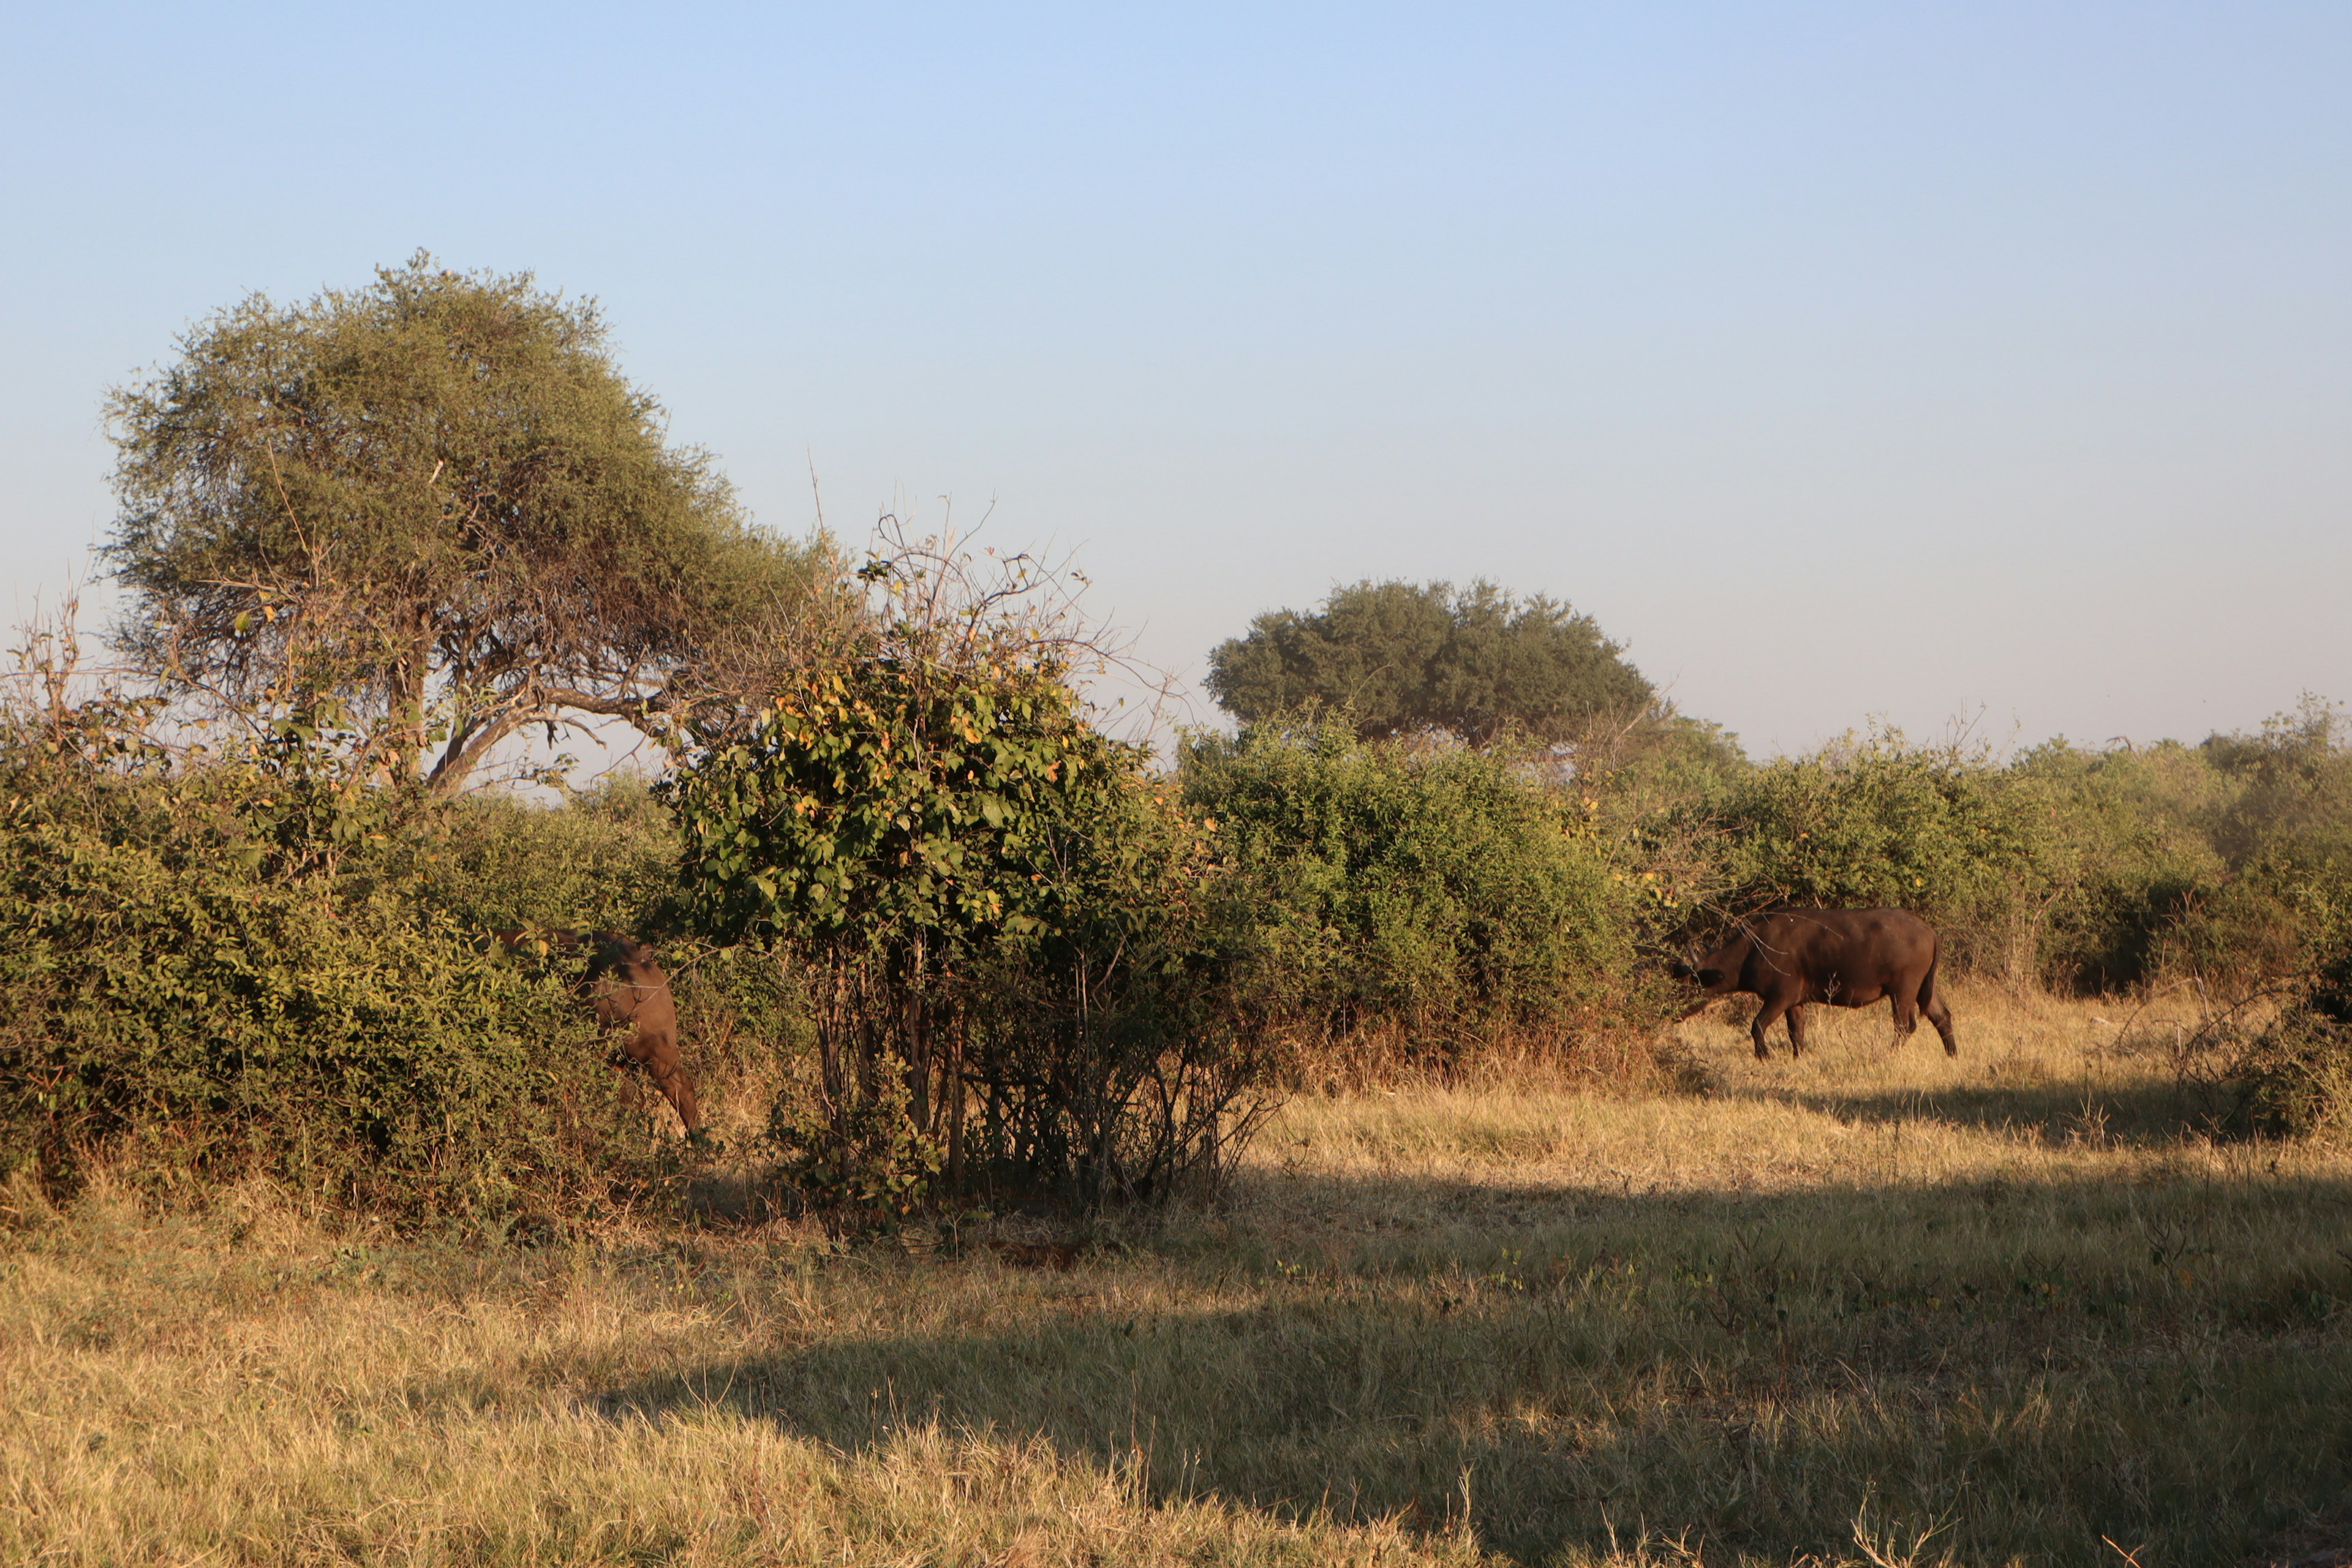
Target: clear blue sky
x,y
1842,360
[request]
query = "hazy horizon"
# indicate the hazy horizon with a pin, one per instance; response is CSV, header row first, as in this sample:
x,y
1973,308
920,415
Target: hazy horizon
x,y
1842,364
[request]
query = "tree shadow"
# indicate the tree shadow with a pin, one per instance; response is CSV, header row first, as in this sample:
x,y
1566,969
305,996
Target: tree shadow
x,y
2142,1113
1755,1369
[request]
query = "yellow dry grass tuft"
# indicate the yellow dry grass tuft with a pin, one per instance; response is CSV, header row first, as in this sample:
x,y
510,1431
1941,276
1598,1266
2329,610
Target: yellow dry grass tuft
x,y
1869,1307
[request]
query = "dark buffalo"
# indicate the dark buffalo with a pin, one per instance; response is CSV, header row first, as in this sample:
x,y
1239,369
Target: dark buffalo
x,y
1847,958
626,987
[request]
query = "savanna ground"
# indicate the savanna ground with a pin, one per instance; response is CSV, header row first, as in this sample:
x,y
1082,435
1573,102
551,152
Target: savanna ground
x,y
1867,1307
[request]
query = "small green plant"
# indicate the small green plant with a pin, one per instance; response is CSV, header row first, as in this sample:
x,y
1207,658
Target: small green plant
x,y
867,1156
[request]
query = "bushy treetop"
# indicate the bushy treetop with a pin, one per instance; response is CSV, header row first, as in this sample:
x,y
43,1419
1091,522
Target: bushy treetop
x,y
1406,658
437,500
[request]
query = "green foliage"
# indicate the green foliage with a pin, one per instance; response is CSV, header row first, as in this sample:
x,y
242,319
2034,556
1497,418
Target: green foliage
x,y
606,860
888,818
1403,659
2284,832
1124,1045
216,1021
1443,890
1970,848
2135,822
889,807
437,498
2231,859
1003,924
1665,759
862,1152
219,970
740,1008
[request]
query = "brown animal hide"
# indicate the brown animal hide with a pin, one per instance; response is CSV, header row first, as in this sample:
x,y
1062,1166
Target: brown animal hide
x,y
627,990
1845,958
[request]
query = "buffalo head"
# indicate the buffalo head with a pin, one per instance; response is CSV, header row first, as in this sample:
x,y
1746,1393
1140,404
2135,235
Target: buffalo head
x,y
1715,973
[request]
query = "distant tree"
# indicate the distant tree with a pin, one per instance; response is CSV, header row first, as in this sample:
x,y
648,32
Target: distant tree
x,y
436,502
1405,658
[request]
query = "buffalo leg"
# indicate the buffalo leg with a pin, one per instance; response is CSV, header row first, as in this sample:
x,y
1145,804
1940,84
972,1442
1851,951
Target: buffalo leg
x,y
1797,1030
1765,1016
658,1054
1938,1013
1941,1017
1906,1017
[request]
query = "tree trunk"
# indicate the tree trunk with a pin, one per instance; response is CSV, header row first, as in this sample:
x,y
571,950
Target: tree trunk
x,y
404,696
952,1092
918,1043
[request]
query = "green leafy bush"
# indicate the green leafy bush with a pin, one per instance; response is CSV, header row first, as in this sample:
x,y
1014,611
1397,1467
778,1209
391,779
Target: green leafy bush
x,y
1973,848
217,973
844,832
2283,829
2142,867
1444,893
2230,859
605,859
1003,924
1129,1041
743,1011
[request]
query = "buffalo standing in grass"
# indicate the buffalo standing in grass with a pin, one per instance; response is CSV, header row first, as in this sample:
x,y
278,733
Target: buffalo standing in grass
x,y
1846,958
626,987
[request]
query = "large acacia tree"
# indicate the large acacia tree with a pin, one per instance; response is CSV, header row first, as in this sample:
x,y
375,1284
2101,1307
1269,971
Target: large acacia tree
x,y
1409,657
436,501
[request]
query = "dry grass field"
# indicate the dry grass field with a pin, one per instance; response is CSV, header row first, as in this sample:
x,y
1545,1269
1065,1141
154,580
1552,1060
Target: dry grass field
x,y
1868,1308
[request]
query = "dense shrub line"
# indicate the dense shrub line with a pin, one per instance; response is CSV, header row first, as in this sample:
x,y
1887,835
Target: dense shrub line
x,y
1443,884
1076,973
223,967
2097,870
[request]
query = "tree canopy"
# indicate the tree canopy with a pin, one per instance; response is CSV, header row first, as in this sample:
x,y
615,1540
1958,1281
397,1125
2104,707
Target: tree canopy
x,y
436,502
1405,658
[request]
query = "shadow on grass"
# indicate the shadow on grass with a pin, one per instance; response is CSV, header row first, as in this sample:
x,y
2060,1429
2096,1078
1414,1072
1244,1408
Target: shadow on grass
x,y
1755,1374
2142,1114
